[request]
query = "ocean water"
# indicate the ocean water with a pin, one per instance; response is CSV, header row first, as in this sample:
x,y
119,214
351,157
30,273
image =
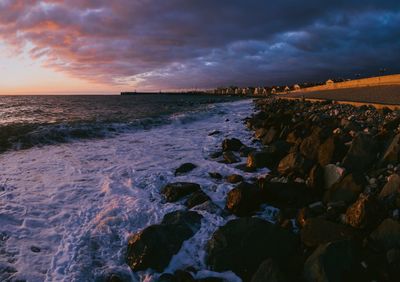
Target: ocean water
x,y
78,175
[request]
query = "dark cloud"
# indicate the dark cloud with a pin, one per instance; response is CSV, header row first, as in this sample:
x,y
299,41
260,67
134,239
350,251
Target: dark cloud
x,y
205,43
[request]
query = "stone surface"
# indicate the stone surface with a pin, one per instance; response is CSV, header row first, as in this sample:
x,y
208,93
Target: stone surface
x,y
154,246
234,178
242,244
332,174
391,188
346,190
293,163
177,190
268,271
197,198
230,157
387,234
362,153
185,168
391,155
334,262
244,199
364,213
318,231
231,145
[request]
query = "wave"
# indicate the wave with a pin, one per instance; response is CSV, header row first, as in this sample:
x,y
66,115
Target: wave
x,y
27,135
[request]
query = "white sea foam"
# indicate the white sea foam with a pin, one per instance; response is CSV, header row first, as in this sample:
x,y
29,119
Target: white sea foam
x,y
79,202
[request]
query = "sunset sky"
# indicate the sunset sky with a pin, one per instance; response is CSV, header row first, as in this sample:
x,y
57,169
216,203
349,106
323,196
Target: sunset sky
x,y
102,46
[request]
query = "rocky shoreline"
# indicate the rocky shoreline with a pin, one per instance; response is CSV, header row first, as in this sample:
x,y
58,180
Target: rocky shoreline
x,y
334,177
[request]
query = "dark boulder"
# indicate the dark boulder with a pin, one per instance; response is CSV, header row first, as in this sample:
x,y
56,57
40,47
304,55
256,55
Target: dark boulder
x,y
231,145
269,271
331,151
346,189
335,262
196,199
234,178
362,153
271,134
391,188
294,163
154,246
258,159
177,190
230,157
244,199
392,153
242,244
316,179
364,213
185,168
309,146
215,175
285,195
318,231
387,234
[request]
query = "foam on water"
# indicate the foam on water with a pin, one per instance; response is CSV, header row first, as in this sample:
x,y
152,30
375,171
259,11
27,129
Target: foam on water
x,y
79,202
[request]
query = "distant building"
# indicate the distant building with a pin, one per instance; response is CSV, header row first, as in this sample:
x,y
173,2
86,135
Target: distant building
x,y
273,91
329,82
296,87
287,89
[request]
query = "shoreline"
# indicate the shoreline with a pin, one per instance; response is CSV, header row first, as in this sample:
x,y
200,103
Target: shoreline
x,y
334,180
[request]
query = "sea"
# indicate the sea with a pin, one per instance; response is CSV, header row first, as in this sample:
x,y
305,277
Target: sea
x,y
80,174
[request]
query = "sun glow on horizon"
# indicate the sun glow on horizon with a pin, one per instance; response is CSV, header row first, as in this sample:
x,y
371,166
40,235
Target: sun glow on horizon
x,y
20,74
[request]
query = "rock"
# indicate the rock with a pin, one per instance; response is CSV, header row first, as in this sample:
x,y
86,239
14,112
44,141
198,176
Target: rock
x,y
215,175
387,234
361,155
245,151
230,158
117,274
311,211
268,271
244,199
316,179
231,145
178,276
35,249
334,262
154,246
318,231
242,244
215,155
391,188
285,195
391,155
346,190
364,213
330,151
234,178
270,136
175,191
196,198
215,132
209,207
332,174
185,168
309,147
258,159
294,163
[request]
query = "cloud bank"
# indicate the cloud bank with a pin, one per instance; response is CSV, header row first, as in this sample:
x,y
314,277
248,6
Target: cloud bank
x,y
158,44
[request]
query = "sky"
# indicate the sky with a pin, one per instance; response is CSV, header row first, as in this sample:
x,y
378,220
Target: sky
x,y
102,46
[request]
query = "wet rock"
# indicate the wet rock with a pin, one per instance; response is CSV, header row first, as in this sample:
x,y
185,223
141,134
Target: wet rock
x,y
268,271
154,246
196,199
362,153
245,151
311,211
35,249
244,199
242,244
209,207
335,262
177,190
231,145
115,275
234,178
346,190
285,195
215,155
309,146
178,276
185,168
270,136
258,159
364,213
330,151
318,231
215,175
392,153
230,158
215,132
316,179
387,234
391,188
332,174
294,163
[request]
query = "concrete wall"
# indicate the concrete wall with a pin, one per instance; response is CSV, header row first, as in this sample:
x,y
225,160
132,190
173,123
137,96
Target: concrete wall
x,y
364,82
